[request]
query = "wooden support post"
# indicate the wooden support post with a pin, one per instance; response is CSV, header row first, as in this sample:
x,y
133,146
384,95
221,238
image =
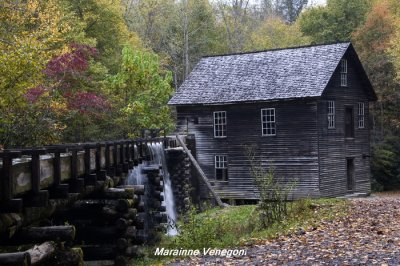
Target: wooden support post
x,y
57,150
200,171
122,152
107,155
140,147
87,161
58,190
35,166
77,184
7,191
100,176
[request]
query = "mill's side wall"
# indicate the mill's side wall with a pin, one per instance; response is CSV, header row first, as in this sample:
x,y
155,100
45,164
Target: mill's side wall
x,y
293,152
334,147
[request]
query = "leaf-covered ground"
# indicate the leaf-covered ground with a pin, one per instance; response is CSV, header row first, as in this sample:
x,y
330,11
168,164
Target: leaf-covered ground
x,y
368,235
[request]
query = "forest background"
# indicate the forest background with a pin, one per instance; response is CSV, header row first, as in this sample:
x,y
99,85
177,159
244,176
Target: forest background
x,y
87,70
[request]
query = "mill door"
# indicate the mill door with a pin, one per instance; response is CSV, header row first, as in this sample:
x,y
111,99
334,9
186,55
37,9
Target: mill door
x,y
350,173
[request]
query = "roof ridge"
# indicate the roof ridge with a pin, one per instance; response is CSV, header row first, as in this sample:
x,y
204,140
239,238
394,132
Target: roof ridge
x,y
277,49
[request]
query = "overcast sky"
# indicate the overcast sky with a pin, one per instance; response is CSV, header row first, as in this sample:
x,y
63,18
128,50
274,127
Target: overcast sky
x,y
317,2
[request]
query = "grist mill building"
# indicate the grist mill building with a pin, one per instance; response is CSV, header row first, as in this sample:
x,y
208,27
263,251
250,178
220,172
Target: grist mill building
x,y
304,109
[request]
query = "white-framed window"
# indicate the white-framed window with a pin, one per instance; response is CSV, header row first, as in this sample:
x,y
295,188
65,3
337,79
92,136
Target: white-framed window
x,y
343,73
221,167
331,114
268,122
220,124
361,115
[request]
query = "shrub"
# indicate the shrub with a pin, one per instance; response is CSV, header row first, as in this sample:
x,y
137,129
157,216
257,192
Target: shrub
x,y
273,204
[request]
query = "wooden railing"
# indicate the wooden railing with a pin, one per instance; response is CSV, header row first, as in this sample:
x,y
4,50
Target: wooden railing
x,y
29,177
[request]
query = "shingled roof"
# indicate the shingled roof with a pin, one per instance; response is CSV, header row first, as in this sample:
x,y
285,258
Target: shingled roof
x,y
261,76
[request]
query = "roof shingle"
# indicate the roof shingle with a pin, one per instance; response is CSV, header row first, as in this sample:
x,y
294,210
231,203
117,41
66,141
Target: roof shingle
x,y
261,76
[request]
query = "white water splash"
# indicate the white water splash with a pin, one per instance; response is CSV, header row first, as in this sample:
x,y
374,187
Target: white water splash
x,y
158,157
136,177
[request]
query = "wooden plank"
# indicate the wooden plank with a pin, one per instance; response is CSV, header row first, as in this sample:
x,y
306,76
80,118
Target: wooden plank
x,y
200,171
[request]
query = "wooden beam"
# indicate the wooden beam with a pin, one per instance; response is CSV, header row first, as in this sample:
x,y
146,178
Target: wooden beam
x,y
200,171
47,233
15,259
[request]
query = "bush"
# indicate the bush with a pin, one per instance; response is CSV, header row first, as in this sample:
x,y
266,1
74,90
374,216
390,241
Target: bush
x,y
273,204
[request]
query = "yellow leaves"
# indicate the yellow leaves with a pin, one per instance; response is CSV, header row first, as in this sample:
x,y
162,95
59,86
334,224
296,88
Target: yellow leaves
x,y
58,108
275,33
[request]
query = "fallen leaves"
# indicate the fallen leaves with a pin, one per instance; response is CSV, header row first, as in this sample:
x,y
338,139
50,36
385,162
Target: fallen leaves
x,y
368,234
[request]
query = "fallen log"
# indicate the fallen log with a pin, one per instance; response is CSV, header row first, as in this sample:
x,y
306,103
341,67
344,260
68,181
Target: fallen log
x,y
137,189
15,259
40,253
118,193
47,233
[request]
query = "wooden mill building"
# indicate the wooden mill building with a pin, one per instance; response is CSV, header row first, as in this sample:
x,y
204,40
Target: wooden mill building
x,y
304,109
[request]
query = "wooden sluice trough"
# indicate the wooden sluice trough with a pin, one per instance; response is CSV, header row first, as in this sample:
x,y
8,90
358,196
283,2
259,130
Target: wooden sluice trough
x,y
70,202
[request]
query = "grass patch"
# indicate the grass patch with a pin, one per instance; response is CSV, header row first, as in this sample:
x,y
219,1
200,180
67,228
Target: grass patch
x,y
240,225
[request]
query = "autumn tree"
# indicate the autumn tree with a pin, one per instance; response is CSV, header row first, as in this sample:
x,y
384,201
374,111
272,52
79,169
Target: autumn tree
x,y
141,91
275,33
334,22
289,10
103,21
31,33
373,40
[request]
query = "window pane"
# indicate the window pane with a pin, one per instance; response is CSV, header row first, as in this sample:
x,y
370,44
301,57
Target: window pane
x,y
220,124
331,114
268,122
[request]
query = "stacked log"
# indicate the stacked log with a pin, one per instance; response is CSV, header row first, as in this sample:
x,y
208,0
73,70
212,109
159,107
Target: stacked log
x,y
107,224
180,172
153,212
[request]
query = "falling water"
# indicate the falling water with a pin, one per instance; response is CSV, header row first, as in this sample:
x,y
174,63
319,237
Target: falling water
x,y
136,177
158,157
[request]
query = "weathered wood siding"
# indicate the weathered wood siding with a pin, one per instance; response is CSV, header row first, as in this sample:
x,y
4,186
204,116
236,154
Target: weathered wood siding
x,y
293,152
334,148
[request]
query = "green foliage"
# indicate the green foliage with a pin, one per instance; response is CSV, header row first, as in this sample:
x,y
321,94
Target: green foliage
x,y
103,21
238,225
289,9
373,41
275,33
273,204
215,228
334,22
385,165
141,90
